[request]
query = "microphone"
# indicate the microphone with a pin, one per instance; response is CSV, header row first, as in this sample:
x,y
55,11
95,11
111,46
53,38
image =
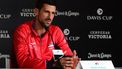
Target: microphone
x,y
46,26
51,37
49,63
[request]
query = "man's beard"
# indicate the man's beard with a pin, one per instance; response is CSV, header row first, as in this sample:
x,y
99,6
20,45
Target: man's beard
x,y
45,25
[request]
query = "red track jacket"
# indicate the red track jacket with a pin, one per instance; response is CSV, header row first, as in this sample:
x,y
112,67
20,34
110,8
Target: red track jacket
x,y
32,51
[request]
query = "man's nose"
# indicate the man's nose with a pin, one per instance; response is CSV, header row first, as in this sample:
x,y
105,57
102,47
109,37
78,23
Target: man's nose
x,y
50,16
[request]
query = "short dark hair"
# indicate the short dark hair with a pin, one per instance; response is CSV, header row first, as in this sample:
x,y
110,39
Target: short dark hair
x,y
39,3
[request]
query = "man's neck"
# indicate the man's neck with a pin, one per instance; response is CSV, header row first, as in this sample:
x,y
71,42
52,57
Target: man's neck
x,y
39,29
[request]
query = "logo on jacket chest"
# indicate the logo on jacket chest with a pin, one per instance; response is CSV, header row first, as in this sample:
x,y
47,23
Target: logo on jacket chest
x,y
33,45
51,45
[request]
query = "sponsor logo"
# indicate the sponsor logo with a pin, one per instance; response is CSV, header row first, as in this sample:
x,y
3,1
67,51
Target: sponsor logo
x,y
33,45
99,16
70,37
99,11
67,13
99,55
66,31
51,45
5,16
4,34
27,13
99,35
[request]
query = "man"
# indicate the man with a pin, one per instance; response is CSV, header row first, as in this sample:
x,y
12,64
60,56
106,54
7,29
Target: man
x,y
34,40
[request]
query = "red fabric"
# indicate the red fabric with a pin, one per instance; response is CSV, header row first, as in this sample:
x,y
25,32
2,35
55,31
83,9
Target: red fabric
x,y
31,50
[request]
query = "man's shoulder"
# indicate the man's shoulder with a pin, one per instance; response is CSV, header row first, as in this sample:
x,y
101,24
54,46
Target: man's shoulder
x,y
24,25
54,27
23,28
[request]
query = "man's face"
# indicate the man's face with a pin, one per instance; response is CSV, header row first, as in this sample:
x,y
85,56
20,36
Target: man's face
x,y
46,14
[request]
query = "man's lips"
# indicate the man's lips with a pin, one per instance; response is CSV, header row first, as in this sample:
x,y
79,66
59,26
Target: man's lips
x,y
48,21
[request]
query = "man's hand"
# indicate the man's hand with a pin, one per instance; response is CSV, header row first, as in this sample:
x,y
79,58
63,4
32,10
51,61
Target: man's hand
x,y
70,62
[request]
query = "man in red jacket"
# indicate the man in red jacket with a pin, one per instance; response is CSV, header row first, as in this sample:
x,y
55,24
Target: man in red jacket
x,y
34,40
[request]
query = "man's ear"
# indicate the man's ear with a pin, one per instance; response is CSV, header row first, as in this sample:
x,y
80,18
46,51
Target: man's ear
x,y
36,11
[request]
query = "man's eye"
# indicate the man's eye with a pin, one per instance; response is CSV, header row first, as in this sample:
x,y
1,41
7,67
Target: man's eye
x,y
53,12
47,11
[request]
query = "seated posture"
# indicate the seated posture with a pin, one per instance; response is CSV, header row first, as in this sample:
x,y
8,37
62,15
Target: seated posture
x,y
33,41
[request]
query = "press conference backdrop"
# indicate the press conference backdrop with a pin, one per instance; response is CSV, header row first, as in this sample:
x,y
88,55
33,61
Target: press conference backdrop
x,y
91,27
